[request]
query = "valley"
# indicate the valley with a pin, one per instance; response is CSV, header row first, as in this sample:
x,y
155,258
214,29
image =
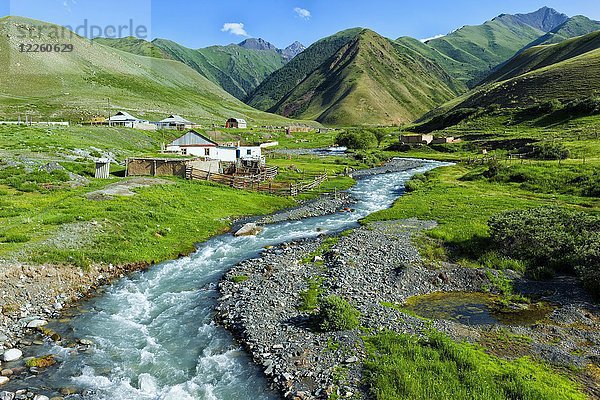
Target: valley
x,y
416,219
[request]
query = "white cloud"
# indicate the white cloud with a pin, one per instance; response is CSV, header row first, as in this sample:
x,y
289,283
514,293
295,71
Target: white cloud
x,y
302,13
235,28
431,38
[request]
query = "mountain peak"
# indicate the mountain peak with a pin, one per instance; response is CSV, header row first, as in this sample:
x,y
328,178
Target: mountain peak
x,y
545,19
257,44
293,50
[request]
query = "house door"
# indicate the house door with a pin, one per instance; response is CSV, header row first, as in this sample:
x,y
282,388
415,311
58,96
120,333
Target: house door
x,y
238,154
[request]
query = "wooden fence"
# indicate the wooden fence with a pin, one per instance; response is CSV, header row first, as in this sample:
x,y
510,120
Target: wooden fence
x,y
262,182
296,189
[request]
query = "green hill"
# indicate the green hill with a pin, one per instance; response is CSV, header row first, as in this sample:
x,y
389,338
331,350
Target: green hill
x,y
542,56
575,78
284,80
236,69
133,45
76,85
473,51
573,82
349,88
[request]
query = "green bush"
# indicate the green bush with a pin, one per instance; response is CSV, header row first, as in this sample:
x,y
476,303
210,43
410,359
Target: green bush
x,y
309,298
336,314
551,151
551,239
357,140
415,183
239,278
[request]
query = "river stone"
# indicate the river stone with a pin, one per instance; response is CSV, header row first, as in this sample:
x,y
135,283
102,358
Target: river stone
x,y
12,355
37,323
250,229
6,372
67,391
41,397
7,396
4,380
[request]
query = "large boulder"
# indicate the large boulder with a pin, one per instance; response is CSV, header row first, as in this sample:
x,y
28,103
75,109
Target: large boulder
x,y
12,355
37,323
250,229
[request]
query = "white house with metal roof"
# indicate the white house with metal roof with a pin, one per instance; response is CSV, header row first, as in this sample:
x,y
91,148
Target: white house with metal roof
x,y
196,144
123,118
175,122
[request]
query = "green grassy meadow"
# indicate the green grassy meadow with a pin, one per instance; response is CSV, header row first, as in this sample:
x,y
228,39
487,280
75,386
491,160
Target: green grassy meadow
x,y
158,223
404,367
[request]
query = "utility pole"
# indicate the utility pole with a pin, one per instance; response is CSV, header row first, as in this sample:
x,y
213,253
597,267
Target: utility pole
x,y
108,110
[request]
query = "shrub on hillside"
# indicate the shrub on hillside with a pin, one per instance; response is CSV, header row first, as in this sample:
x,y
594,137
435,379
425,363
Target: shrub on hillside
x,y
551,151
372,159
357,140
585,106
551,239
415,183
336,314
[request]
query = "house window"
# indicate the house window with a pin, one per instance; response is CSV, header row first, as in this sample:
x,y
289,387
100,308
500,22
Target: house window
x,y
207,152
249,152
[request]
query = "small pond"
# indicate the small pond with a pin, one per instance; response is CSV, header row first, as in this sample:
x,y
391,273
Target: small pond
x,y
475,309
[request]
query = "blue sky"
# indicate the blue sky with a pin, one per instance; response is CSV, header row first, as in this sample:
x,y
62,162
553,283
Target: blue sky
x,y
200,23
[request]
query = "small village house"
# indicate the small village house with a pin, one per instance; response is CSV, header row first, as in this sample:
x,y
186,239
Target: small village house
x,y
416,139
175,122
196,144
236,123
427,139
123,118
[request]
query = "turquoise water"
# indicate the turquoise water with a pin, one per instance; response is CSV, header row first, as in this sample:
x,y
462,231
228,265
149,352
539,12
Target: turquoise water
x,y
153,332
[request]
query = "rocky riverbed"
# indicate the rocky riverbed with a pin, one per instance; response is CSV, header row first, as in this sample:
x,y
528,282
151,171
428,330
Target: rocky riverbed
x,y
372,267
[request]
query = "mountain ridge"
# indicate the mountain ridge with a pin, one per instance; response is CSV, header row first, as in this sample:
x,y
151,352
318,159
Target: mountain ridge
x,y
77,84
348,88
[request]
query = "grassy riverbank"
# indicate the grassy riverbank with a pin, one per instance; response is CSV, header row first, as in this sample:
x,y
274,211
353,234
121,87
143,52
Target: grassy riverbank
x,y
434,367
462,207
160,222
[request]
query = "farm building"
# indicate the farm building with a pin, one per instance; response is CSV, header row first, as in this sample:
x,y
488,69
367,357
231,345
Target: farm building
x,y
416,139
427,139
123,118
196,144
176,122
236,123
169,166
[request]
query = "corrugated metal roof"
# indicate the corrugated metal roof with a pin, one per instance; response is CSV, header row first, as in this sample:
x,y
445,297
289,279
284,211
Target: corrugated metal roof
x,y
193,138
123,116
175,119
